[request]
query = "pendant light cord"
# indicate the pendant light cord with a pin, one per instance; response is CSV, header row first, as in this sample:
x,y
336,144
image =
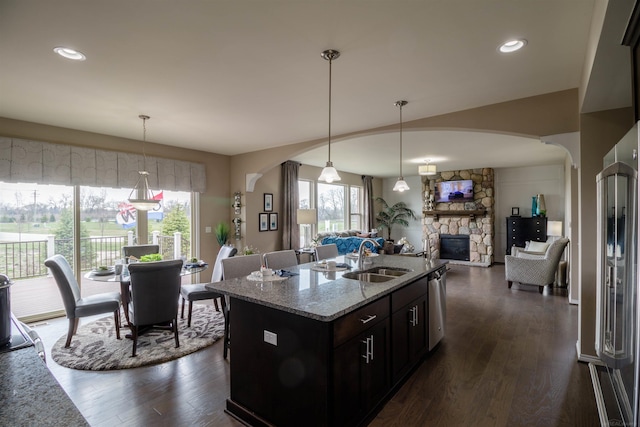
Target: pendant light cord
x,y
330,61
144,139
400,139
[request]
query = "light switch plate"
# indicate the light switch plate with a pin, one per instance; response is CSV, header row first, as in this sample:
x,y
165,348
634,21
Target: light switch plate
x,y
207,229
271,338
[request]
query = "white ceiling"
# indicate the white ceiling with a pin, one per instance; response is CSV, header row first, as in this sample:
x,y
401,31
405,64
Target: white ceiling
x,y
231,77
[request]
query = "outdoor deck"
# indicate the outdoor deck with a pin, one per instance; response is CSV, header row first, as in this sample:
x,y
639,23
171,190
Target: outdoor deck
x,y
32,297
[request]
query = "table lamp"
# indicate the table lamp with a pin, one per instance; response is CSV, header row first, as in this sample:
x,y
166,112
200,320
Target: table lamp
x,y
306,218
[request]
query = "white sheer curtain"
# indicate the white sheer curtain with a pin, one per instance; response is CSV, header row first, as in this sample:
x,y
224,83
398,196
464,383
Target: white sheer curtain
x,y
47,163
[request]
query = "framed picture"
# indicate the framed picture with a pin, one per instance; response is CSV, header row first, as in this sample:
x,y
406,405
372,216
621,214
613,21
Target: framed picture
x,y
268,202
263,222
273,221
515,211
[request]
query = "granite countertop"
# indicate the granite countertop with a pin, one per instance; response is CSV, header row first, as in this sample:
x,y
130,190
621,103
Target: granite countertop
x,y
325,295
30,395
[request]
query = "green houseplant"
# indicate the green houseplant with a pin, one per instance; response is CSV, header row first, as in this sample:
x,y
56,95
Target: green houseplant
x,y
391,215
222,233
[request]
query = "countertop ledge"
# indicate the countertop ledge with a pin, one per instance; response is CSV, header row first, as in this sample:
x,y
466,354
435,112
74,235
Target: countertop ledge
x,y
30,394
325,295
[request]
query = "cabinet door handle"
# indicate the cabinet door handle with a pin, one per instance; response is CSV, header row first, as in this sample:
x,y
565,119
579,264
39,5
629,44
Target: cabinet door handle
x,y
414,315
369,318
368,352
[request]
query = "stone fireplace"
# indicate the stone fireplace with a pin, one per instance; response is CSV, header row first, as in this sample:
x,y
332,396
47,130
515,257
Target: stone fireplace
x,y
461,221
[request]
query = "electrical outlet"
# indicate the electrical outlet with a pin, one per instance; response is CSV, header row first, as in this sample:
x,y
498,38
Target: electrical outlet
x,y
271,338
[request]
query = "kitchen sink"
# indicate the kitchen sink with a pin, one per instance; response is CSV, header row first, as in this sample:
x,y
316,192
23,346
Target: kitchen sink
x,y
388,271
368,277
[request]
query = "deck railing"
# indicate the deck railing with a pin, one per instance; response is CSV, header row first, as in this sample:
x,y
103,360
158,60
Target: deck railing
x,y
23,260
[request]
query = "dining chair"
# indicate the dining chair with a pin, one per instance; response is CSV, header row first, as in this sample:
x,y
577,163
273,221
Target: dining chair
x,y
155,287
326,251
232,268
198,292
137,251
280,259
75,305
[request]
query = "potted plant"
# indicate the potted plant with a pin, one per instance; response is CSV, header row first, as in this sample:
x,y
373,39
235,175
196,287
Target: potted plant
x,y
222,233
390,215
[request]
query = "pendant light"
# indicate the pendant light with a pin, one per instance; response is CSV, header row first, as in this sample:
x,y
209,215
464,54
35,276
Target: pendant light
x,y
146,202
401,184
428,169
329,173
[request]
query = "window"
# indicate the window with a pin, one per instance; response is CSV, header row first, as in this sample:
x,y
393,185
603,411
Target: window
x,y
331,207
355,208
37,221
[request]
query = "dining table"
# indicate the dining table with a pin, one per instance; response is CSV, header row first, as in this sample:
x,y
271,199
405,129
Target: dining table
x,y
109,275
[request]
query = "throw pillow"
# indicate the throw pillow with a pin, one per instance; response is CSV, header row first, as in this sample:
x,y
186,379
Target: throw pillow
x,y
362,234
537,247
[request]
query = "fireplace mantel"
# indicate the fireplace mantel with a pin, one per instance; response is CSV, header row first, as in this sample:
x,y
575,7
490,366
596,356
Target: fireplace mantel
x,y
464,212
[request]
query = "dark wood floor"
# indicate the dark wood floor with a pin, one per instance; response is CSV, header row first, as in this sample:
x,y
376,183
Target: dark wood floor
x,y
508,359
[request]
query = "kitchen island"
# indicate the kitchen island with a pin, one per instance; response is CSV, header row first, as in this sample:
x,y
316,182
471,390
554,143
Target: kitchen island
x,y
320,349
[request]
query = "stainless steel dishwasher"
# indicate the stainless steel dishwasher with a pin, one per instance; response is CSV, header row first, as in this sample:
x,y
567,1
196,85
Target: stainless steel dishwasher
x,y
437,305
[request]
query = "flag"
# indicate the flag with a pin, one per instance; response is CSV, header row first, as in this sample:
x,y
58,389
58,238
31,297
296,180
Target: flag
x,y
126,215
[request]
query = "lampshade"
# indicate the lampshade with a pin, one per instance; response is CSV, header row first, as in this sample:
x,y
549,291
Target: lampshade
x,y
306,216
144,199
554,228
329,173
401,184
428,169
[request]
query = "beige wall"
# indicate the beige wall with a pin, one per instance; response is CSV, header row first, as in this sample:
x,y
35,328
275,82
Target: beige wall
x,y
599,133
215,203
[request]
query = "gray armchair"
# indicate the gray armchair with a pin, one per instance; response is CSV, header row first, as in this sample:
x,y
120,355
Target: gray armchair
x,y
137,251
537,270
74,305
155,287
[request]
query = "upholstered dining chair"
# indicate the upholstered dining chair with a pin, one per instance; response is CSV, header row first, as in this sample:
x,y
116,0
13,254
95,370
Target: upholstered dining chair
x,y
197,291
137,251
533,269
280,259
326,251
155,287
74,305
233,268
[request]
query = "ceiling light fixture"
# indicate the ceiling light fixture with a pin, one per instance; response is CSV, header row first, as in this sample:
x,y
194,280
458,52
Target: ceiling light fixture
x,y
68,53
512,45
401,184
428,169
329,173
145,200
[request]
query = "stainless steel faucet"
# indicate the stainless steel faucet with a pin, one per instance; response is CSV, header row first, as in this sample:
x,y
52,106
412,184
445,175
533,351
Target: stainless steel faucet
x,y
361,251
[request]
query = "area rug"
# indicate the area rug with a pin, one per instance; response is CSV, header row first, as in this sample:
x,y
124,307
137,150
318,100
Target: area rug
x,y
95,347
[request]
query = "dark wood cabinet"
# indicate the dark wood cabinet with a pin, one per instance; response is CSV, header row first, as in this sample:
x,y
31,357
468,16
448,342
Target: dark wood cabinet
x,y
522,229
410,332
290,370
361,374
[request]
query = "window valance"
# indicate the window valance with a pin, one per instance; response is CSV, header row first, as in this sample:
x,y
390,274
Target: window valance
x,y
47,163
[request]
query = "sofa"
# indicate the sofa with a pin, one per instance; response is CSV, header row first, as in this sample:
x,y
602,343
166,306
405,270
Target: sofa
x,y
348,241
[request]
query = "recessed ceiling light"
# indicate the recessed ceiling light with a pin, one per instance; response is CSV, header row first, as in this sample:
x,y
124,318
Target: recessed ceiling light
x,y
70,53
512,45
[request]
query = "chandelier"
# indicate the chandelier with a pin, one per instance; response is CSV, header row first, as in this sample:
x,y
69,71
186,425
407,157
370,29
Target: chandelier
x,y
143,200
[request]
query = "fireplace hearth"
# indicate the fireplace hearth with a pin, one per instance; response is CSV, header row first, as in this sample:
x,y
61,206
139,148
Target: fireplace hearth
x,y
454,247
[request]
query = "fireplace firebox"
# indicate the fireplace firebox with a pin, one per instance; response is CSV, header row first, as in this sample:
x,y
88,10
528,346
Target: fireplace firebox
x,y
454,247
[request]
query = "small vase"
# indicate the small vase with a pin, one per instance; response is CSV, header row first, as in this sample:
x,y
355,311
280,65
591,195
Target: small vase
x,y
542,207
534,206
